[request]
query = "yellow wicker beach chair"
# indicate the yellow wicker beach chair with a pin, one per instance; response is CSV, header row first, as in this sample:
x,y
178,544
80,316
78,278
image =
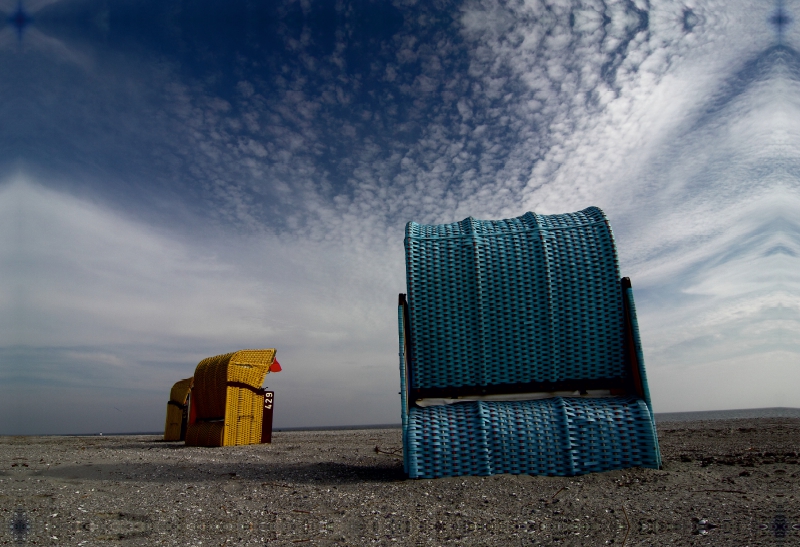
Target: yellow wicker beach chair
x,y
227,398
178,410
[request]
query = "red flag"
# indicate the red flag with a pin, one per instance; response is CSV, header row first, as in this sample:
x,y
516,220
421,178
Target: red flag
x,y
275,366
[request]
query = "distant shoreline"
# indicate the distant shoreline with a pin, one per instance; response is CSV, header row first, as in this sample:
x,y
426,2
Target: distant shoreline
x,y
745,413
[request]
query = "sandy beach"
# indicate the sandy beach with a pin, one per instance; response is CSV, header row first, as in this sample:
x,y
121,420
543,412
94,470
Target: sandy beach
x,y
724,482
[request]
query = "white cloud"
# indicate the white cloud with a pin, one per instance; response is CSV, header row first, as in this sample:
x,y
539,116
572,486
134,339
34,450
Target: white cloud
x,y
696,208
87,276
102,301
762,380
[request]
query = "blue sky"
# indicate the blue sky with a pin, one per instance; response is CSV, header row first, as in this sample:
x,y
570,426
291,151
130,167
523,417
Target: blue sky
x,y
179,180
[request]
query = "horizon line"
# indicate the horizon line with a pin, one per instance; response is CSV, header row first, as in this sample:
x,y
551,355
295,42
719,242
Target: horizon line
x,y
692,415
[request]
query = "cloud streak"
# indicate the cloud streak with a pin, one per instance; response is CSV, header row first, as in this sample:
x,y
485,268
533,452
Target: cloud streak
x,y
100,301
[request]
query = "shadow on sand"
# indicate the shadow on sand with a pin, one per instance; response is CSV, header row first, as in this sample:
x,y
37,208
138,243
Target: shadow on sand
x,y
321,473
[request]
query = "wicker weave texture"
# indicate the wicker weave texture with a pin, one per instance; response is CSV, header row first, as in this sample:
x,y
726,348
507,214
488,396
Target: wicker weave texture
x,y
557,437
206,434
243,417
229,415
529,299
537,298
172,428
178,395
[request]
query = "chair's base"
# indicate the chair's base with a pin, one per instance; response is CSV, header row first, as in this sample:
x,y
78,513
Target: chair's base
x,y
175,429
248,420
219,434
561,436
206,434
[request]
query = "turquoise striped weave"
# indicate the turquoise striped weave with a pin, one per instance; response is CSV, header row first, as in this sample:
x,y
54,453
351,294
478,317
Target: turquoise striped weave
x,y
532,299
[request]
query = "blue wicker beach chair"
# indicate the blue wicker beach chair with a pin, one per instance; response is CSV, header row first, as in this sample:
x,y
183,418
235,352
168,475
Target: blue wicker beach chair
x,y
519,350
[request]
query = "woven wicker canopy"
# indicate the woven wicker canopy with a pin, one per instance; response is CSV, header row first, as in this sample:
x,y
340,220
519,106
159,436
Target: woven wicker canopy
x,y
228,399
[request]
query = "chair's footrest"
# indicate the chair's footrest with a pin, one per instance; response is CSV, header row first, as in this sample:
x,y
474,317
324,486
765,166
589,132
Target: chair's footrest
x,y
560,436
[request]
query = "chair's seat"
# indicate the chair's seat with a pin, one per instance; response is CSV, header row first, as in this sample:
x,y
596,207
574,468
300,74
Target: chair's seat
x,y
557,436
